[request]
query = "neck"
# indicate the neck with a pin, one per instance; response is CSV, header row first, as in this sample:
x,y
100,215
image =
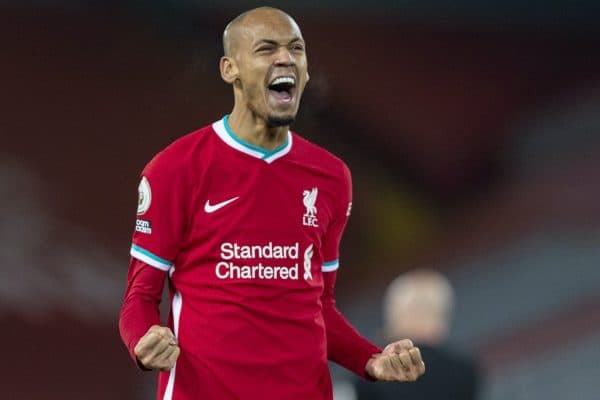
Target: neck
x,y
254,130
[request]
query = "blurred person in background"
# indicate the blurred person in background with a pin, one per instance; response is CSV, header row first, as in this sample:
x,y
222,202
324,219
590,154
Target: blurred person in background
x,y
245,219
419,304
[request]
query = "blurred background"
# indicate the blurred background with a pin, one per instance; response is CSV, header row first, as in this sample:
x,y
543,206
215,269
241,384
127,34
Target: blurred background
x,y
472,130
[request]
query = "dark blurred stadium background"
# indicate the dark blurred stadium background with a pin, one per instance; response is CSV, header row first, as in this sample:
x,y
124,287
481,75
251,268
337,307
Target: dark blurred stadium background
x,y
472,129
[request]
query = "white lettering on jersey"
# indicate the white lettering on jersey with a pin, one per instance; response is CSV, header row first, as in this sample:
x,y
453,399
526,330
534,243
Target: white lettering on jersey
x,y
143,226
229,270
234,265
230,251
309,199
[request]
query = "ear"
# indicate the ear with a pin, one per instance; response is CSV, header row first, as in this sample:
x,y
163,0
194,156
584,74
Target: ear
x,y
307,77
229,69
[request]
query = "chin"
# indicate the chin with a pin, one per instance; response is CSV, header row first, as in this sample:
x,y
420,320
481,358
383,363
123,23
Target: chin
x,y
274,121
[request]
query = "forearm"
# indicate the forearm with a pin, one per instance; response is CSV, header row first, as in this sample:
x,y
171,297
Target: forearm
x,y
345,345
140,307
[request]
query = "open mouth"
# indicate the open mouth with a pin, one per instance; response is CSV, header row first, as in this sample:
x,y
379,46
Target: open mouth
x,y
282,88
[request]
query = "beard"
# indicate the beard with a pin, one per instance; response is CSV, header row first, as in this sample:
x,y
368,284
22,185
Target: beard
x,y
275,122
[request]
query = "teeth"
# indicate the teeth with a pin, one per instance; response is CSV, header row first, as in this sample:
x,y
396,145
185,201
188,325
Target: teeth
x,y
284,79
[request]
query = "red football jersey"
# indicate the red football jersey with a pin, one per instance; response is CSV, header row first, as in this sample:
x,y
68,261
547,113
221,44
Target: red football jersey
x,y
246,236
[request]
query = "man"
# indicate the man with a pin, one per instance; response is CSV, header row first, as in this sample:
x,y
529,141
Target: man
x,y
419,305
245,217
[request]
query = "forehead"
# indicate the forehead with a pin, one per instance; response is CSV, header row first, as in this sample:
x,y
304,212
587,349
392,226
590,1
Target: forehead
x,y
268,26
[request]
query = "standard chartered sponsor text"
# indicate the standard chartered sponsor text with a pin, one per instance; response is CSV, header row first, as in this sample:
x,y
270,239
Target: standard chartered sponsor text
x,y
228,270
241,270
230,251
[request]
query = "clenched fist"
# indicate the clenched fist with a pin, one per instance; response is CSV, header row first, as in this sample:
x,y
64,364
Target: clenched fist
x,y
157,349
399,361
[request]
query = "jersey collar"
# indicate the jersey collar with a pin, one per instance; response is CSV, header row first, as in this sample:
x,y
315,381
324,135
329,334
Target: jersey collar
x,y
222,129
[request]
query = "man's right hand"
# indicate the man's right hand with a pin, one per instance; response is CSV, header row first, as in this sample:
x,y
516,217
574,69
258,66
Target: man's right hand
x,y
157,349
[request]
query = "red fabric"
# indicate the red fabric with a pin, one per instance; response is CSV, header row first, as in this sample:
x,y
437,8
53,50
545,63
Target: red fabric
x,y
248,240
330,246
345,345
140,306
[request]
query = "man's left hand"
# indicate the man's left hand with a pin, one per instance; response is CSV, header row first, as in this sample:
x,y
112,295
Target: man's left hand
x,y
399,361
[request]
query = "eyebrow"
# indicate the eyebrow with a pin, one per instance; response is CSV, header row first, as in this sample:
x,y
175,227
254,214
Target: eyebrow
x,y
275,43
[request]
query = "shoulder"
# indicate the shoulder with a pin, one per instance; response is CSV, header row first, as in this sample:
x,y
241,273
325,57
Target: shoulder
x,y
179,154
320,158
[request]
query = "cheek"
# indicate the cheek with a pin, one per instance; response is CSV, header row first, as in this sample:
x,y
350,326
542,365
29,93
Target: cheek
x,y
253,82
303,70
254,92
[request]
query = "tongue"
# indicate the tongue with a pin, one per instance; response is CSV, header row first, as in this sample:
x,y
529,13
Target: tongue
x,y
283,95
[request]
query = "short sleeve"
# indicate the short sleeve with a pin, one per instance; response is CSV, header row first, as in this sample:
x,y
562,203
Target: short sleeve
x,y
159,225
341,212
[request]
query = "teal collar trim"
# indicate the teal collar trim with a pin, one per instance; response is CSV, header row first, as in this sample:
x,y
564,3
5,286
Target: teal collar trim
x,y
265,153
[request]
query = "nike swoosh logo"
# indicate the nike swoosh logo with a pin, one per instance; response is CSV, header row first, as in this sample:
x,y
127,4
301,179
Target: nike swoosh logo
x,y
210,208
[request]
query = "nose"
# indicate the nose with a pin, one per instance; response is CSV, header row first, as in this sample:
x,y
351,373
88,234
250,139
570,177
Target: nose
x,y
284,57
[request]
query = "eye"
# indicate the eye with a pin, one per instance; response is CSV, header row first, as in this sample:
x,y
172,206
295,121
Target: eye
x,y
298,47
264,49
